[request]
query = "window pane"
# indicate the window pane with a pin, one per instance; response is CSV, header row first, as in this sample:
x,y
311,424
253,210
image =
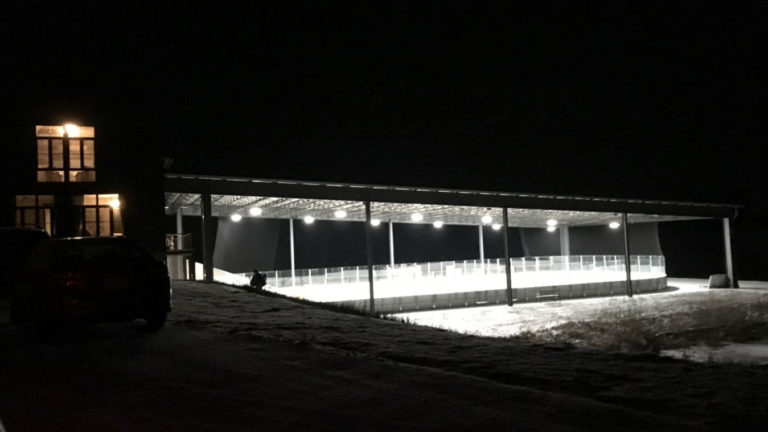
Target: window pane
x,y
58,153
104,222
29,217
89,200
46,219
74,154
42,153
87,131
112,200
50,176
117,223
90,222
45,200
88,154
48,131
25,200
82,176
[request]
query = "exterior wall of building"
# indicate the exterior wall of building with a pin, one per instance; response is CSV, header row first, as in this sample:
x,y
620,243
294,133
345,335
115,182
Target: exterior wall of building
x,y
77,208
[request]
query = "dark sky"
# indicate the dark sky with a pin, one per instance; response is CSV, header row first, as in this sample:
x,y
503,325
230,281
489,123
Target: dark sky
x,y
642,99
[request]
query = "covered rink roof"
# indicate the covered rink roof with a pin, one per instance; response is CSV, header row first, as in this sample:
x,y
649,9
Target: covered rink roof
x,y
287,199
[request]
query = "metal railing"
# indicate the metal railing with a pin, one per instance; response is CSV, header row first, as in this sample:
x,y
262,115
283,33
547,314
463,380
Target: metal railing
x,y
175,242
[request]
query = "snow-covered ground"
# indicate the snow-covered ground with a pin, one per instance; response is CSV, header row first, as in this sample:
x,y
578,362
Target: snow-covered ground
x,y
503,321
232,360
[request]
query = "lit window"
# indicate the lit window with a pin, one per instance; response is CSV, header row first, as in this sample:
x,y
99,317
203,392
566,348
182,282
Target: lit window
x,y
65,158
34,211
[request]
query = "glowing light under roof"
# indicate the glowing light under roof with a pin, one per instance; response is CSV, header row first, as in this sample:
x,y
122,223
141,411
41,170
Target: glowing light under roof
x,y
614,225
551,228
496,226
340,214
308,219
255,211
236,217
437,224
486,219
417,217
72,130
375,222
551,223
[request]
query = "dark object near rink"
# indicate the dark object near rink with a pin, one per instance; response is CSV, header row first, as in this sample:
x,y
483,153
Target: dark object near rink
x,y
90,280
718,281
16,244
258,281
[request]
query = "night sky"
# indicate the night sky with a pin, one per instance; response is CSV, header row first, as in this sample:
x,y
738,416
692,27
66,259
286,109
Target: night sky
x,y
638,100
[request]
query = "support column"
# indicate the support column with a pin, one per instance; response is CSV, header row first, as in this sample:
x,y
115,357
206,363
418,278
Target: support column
x,y
205,209
293,255
391,246
727,233
565,241
369,254
507,263
179,224
627,263
480,243
177,263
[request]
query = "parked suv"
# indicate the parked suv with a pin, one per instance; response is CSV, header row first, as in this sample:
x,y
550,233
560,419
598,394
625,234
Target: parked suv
x,y
91,279
15,246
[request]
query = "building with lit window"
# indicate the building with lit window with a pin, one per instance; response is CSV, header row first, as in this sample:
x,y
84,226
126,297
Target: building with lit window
x,y
69,184
67,200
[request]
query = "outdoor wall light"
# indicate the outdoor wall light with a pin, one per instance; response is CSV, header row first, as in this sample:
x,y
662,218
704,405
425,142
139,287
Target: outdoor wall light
x,y
496,226
614,225
486,219
72,130
236,217
340,214
551,228
417,217
308,219
551,223
437,224
254,211
375,222
115,203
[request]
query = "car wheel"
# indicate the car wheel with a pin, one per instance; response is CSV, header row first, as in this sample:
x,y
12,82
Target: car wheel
x,y
156,319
